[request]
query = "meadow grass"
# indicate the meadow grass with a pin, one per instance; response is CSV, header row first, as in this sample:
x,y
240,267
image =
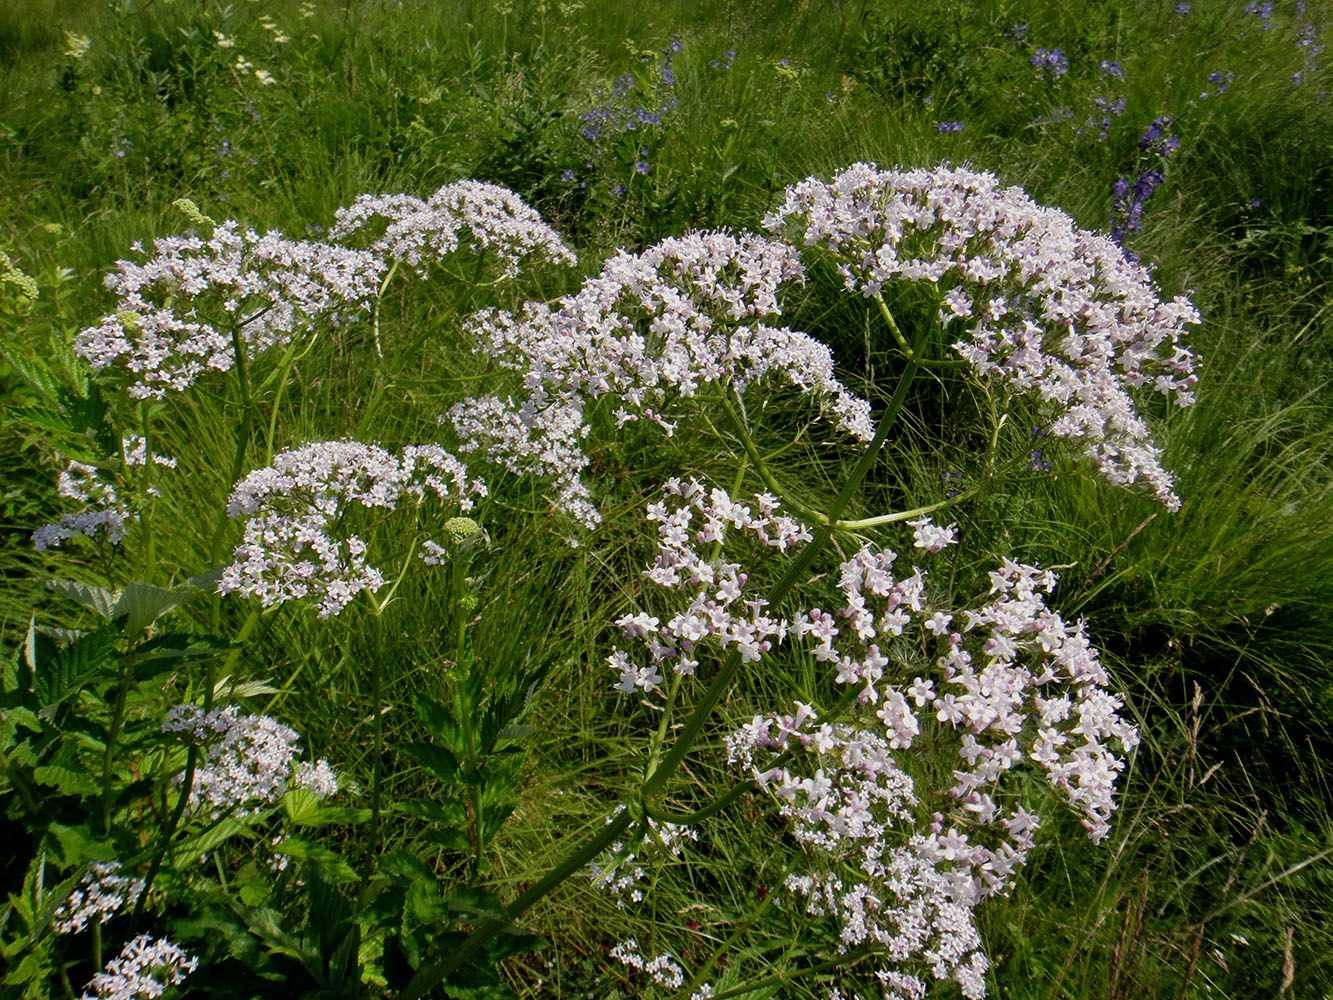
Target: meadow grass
x,y
1217,880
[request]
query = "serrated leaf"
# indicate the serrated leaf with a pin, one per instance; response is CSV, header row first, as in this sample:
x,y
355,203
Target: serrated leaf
x,y
446,812
72,667
141,604
207,581
66,780
438,720
228,690
97,599
479,902
77,844
407,866
449,838
440,761
37,648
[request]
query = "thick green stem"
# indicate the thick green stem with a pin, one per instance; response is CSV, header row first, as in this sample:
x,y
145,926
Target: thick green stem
x,y
430,976
113,734
238,457
146,493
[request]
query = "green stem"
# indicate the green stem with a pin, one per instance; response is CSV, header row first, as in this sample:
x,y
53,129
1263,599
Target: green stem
x,y
146,493
164,843
430,976
795,573
659,736
113,734
238,457
914,356
752,450
903,515
463,666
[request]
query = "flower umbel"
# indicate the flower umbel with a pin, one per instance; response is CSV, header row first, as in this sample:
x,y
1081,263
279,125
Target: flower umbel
x,y
1051,309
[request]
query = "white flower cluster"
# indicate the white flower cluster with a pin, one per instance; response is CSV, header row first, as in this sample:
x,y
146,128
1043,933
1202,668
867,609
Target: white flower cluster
x,y
689,516
295,544
652,328
95,488
248,760
144,969
101,892
1050,308
419,230
848,810
663,969
621,873
1012,683
176,311
1015,681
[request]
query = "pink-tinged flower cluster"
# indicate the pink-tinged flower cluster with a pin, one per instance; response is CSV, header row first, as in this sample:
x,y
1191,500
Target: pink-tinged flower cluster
x,y
526,438
1012,680
691,519
296,544
144,969
103,506
620,871
850,803
101,891
248,762
651,329
485,216
1051,309
662,969
176,311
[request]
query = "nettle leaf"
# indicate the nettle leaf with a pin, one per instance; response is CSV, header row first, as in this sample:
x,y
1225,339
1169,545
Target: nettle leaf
x,y
439,722
65,673
305,808
97,599
213,837
66,780
446,812
173,648
73,845
438,760
141,604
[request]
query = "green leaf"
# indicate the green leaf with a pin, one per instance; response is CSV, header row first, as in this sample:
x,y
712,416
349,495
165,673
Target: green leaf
x,y
446,812
438,720
70,668
329,861
76,844
97,599
66,780
142,604
213,836
440,761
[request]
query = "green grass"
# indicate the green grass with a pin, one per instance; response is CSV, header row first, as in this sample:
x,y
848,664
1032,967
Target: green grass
x,y
1214,619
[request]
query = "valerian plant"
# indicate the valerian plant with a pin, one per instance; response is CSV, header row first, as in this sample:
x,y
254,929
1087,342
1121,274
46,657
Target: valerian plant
x,y
157,801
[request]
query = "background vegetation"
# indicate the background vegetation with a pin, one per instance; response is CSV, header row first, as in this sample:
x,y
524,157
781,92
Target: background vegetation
x,y
1217,880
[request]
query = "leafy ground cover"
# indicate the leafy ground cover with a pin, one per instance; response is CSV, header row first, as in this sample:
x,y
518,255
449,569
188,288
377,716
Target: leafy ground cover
x,y
333,718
